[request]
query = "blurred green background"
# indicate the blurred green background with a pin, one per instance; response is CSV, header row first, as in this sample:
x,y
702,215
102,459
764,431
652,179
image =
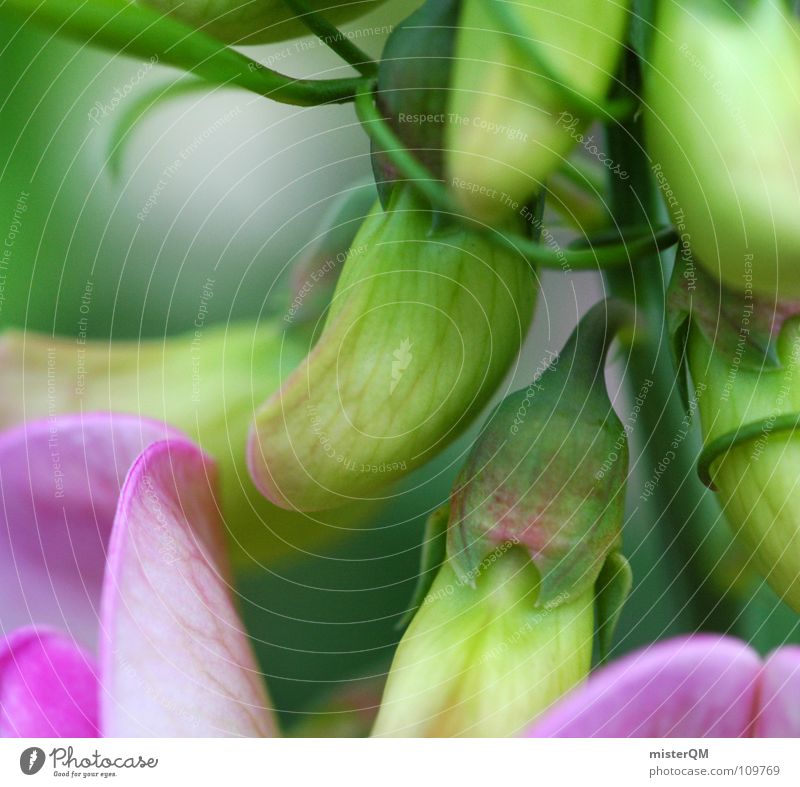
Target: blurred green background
x,y
238,206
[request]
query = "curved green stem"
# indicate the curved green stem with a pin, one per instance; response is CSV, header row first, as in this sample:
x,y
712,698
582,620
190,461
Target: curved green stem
x,y
602,255
134,29
686,513
740,436
529,50
331,36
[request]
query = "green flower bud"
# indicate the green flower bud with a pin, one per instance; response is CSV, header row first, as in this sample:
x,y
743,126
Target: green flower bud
x,y
757,479
534,527
549,469
204,382
423,326
485,660
723,128
509,125
257,21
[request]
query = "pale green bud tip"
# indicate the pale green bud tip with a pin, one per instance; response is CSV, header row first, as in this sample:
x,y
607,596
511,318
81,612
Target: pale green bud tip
x,y
486,660
722,112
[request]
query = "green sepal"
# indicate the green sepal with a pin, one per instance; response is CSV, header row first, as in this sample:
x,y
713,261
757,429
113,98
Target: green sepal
x,y
548,471
612,589
742,327
434,550
413,80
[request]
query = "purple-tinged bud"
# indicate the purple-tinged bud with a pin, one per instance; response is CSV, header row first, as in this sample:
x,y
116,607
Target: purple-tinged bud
x,y
548,471
507,625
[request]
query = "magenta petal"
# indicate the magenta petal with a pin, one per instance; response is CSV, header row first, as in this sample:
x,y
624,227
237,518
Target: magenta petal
x,y
778,714
48,687
59,485
701,686
175,658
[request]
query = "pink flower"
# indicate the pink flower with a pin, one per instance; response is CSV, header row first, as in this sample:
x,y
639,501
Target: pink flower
x,y
117,616
688,687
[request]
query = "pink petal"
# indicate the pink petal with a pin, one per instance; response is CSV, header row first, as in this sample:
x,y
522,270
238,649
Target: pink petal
x,y
48,687
175,658
59,485
778,715
700,686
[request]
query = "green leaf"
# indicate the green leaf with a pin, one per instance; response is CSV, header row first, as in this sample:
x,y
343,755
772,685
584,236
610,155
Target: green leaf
x,y
612,590
139,31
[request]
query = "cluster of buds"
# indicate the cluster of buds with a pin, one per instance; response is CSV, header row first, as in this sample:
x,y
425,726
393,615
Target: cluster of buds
x,y
744,357
531,565
723,115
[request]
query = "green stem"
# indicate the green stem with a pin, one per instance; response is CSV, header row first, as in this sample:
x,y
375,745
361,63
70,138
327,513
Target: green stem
x,y
596,256
331,36
684,506
140,31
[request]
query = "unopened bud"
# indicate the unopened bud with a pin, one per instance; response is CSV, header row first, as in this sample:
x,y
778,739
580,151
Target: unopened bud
x,y
509,125
507,626
422,328
723,114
